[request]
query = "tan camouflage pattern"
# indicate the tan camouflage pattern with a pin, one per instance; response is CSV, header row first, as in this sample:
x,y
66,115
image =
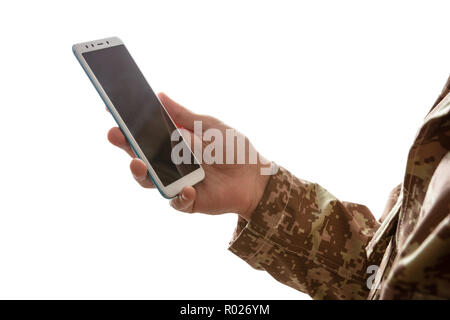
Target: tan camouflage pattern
x,y
307,239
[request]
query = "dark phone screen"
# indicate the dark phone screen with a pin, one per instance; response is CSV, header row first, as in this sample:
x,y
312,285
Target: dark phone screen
x,y
140,109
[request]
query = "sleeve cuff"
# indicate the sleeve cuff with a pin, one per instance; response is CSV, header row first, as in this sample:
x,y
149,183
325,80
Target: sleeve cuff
x,y
251,239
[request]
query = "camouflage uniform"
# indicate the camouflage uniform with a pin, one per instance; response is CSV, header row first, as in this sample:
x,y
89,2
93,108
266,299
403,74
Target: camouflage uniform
x,y
307,239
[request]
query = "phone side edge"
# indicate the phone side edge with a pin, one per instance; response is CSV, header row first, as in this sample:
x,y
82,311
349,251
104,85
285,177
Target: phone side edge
x,y
76,53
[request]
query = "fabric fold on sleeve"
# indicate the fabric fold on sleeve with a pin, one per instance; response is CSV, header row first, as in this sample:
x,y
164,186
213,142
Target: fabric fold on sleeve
x,y
307,239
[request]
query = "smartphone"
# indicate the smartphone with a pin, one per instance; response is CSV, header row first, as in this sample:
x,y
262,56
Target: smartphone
x,y
139,113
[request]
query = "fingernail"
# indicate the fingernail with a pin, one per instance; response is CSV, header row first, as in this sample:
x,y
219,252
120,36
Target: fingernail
x,y
183,197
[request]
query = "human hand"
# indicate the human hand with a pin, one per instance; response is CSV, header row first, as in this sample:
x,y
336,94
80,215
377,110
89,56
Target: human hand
x,y
235,187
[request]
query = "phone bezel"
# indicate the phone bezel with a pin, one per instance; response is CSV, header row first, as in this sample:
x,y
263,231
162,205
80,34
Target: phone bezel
x,y
172,189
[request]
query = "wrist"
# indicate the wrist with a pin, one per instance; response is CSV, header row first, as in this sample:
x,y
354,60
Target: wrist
x,y
255,196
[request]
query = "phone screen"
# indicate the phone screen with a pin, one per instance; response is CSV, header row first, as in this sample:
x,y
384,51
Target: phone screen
x,y
140,109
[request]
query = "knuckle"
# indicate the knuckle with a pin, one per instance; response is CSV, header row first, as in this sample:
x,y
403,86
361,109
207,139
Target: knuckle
x,y
138,179
174,204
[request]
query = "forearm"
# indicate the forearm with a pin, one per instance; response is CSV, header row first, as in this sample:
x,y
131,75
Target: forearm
x,y
307,239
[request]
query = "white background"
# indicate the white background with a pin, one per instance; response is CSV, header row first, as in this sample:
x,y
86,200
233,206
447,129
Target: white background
x,y
332,90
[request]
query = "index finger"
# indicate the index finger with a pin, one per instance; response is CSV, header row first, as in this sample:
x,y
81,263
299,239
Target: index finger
x,y
117,138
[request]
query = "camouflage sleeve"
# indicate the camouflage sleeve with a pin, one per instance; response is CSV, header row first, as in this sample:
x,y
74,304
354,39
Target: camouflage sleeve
x,y
307,239
421,269
392,200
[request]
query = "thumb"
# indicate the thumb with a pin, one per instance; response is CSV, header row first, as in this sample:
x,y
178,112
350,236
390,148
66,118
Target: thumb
x,y
180,115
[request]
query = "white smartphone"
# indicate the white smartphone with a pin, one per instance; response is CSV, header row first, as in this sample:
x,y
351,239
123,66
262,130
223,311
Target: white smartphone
x,y
138,112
